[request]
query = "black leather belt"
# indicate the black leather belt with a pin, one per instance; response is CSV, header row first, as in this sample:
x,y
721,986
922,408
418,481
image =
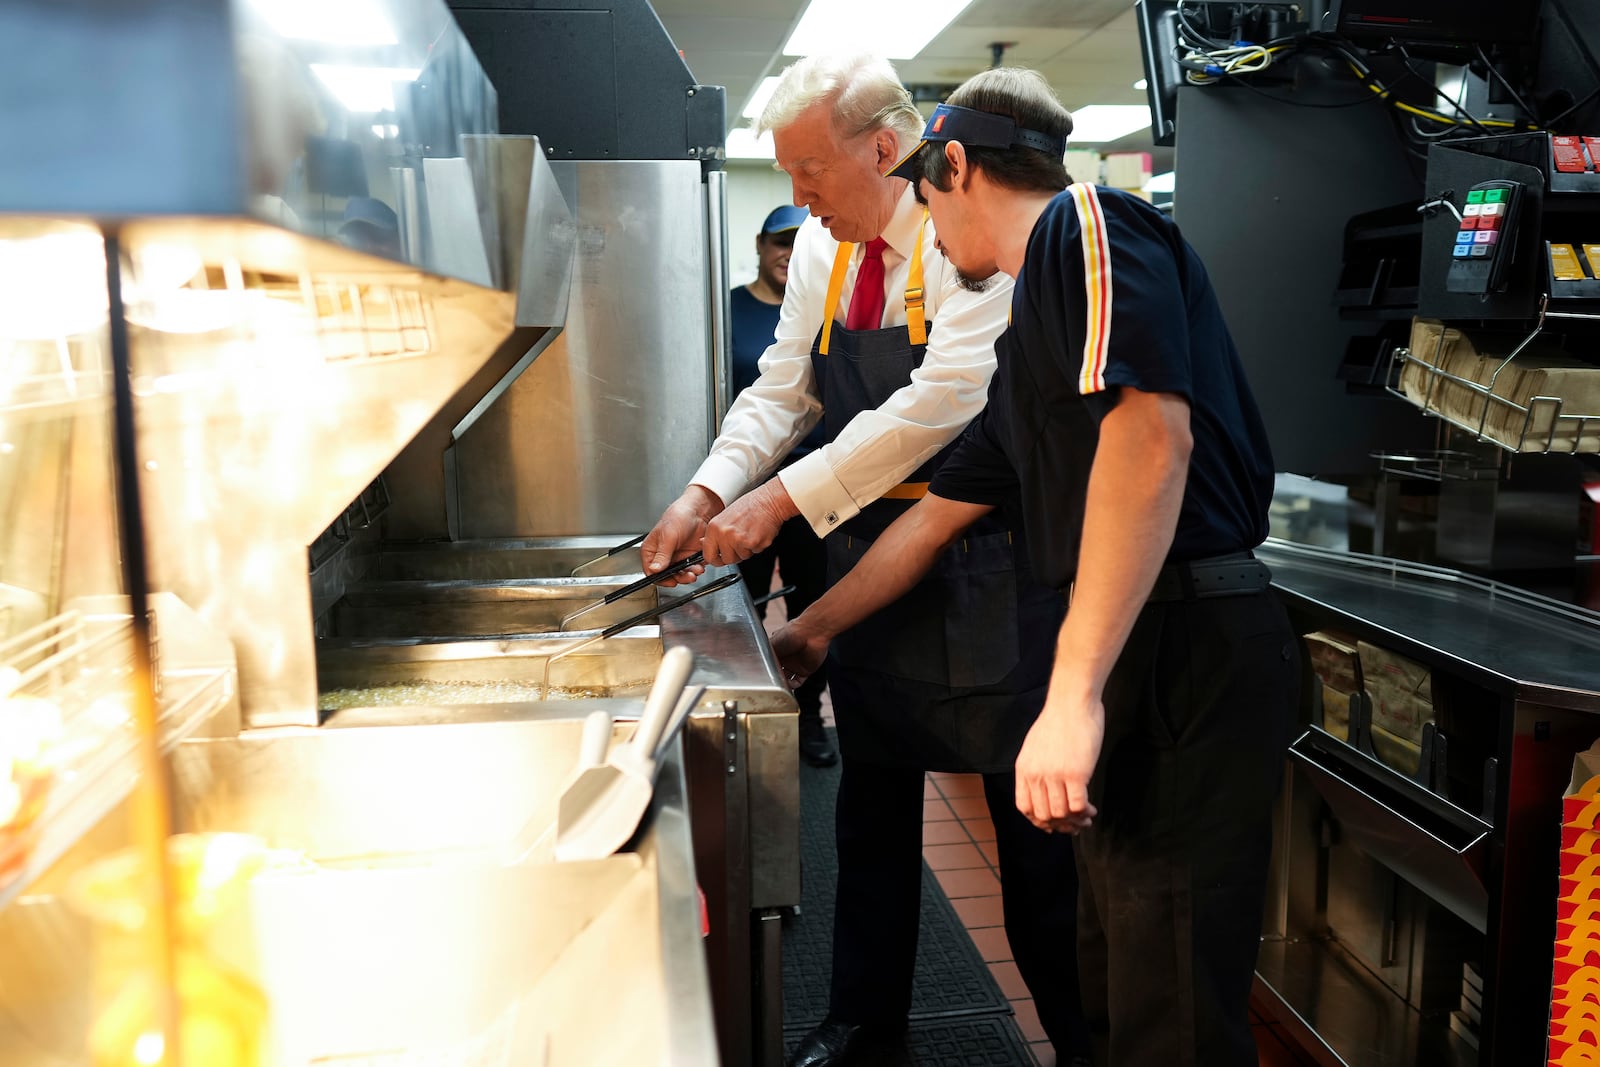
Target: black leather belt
x,y
1237,574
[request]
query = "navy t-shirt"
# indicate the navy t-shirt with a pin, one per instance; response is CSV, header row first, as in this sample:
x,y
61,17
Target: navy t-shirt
x,y
1111,295
755,324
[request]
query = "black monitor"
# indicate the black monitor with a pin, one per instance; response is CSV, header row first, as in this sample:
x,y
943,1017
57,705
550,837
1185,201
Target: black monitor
x,y
1460,22
1158,42
1220,20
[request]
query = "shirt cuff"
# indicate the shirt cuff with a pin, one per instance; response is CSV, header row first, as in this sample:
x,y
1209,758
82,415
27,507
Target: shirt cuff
x,y
723,477
823,501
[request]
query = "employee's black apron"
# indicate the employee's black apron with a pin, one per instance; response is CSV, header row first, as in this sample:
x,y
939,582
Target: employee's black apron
x,y
950,676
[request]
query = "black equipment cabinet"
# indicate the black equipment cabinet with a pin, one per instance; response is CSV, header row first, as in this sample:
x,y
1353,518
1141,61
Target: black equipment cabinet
x,y
1265,190
594,79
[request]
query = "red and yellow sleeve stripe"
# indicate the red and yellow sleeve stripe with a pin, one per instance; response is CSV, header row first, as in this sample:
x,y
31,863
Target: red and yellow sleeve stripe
x,y
1097,287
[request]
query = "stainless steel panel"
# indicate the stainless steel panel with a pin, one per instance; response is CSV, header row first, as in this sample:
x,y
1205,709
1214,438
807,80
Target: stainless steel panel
x,y
1435,845
526,224
1363,915
1332,1006
771,745
721,337
408,823
349,795
435,610
497,672
608,424
498,560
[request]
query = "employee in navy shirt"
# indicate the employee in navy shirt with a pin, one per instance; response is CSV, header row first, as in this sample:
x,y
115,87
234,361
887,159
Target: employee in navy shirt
x,y
1121,432
796,551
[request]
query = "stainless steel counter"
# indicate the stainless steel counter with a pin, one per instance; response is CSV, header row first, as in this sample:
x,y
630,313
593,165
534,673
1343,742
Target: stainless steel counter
x,y
1497,635
1392,891
740,745
419,928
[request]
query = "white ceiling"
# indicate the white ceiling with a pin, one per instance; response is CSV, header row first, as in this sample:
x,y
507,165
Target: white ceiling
x,y
1088,49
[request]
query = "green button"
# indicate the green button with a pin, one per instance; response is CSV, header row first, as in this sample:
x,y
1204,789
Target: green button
x,y
1475,196
1494,196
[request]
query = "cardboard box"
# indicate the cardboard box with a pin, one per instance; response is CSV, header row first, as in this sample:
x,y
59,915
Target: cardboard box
x,y
1084,166
1534,373
1575,978
1127,170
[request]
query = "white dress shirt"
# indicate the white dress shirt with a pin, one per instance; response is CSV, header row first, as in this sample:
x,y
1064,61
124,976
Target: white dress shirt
x,y
879,448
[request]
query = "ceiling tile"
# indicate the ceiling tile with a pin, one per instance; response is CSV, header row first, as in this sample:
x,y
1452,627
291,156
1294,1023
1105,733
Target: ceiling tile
x,y
1027,45
1072,13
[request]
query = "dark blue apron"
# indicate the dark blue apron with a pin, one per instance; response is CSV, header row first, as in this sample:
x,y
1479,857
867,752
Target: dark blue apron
x,y
950,676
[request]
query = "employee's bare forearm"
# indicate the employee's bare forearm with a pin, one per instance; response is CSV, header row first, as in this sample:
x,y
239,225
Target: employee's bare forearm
x,y
897,561
1135,491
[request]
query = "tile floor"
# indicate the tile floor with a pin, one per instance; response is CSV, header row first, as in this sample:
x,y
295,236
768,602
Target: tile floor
x,y
958,845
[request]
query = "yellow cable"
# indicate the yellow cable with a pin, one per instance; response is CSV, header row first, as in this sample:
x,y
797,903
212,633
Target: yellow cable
x,y
1366,79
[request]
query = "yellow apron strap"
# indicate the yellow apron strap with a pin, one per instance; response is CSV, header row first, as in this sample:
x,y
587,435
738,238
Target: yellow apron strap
x,y
907,491
916,318
841,265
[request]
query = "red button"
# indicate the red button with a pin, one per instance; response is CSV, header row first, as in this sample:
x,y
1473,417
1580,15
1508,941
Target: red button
x,y
1490,222
1470,222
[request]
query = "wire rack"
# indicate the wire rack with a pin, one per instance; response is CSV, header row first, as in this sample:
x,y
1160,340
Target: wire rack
x,y
81,663
366,320
36,373
1437,465
1541,425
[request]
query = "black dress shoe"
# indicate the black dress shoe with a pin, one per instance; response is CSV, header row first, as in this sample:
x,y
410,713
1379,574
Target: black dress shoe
x,y
838,1044
818,752
815,748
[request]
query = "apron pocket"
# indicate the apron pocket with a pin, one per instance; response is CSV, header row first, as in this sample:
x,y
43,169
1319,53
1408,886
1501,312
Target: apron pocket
x,y
906,639
957,627
980,579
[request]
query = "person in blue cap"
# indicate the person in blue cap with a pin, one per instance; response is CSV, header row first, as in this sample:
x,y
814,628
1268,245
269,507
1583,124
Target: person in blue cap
x,y
795,550
1121,433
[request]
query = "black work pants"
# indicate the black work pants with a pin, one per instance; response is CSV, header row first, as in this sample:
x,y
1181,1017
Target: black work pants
x,y
803,561
879,834
1173,872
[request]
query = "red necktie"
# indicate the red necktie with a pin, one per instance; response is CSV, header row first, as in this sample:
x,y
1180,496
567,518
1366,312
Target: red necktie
x,y
866,302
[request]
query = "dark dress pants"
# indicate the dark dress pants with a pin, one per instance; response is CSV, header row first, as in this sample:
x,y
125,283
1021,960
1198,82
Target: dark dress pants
x,y
879,834
1173,873
803,561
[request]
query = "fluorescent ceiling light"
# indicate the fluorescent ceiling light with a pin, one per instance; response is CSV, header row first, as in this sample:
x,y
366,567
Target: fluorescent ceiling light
x,y
1099,123
1141,85
358,22
759,98
894,29
744,144
364,89
1161,183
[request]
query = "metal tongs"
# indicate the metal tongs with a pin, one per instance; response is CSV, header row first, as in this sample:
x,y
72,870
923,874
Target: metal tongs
x,y
633,587
628,623
608,553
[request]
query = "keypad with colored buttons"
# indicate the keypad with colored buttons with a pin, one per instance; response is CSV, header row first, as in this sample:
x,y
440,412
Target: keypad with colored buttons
x,y
1485,239
1481,222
